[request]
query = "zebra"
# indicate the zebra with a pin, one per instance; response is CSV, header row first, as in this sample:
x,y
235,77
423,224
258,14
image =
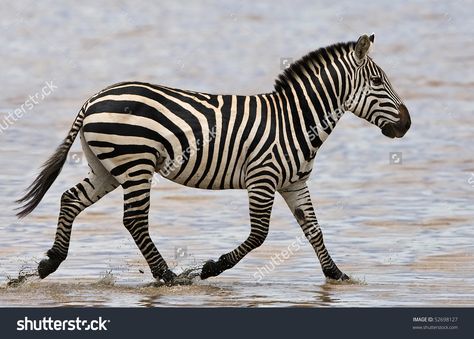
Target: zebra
x,y
263,143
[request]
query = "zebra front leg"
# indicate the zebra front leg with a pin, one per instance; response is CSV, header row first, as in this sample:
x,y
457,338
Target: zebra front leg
x,y
299,201
135,220
260,206
73,202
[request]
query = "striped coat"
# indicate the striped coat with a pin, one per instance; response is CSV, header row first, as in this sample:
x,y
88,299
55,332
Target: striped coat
x,y
263,143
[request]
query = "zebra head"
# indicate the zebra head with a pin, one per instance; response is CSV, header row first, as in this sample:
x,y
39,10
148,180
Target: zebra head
x,y
373,97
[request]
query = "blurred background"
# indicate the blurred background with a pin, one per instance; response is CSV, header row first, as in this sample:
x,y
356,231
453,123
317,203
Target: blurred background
x,y
396,214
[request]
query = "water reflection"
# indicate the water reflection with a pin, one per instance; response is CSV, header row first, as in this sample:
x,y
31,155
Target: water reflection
x,y
404,232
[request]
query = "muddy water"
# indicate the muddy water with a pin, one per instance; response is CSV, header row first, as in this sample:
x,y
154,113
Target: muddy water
x,y
404,232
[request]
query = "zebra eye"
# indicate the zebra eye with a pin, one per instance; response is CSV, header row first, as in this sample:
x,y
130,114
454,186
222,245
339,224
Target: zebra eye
x,y
376,81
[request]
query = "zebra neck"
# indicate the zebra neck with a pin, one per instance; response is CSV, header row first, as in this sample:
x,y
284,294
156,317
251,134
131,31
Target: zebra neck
x,y
311,116
314,89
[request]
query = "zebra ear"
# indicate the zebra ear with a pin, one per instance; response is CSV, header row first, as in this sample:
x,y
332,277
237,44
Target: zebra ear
x,y
362,46
372,38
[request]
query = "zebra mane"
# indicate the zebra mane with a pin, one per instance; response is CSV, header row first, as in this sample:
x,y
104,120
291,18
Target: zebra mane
x,y
315,58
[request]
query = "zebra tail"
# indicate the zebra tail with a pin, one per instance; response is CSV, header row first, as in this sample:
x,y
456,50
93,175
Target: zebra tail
x,y
49,171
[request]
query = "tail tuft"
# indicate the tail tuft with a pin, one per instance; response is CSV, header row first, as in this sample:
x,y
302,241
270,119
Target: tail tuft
x,y
49,172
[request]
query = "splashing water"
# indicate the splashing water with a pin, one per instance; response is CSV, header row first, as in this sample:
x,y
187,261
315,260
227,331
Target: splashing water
x,y
187,277
405,229
23,275
107,279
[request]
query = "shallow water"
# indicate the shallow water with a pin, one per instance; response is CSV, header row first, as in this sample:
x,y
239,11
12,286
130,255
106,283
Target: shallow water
x,y
403,232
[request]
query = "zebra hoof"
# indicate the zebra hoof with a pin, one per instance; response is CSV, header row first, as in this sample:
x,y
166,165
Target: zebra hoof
x,y
335,273
210,269
345,277
182,281
169,277
47,266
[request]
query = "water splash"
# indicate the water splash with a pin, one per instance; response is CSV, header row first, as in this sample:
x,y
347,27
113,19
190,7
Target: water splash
x,y
351,281
107,279
186,277
23,275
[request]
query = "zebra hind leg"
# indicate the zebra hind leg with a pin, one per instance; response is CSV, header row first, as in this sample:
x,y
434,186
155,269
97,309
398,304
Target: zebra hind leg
x,y
134,172
73,202
135,220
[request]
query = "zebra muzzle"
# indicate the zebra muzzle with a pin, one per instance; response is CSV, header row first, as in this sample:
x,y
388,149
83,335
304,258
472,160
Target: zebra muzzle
x,y
398,130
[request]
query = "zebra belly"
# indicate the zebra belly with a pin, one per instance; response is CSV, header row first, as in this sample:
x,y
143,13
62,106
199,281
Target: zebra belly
x,y
205,165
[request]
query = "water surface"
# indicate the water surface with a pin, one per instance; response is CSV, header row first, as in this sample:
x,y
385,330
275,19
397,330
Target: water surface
x,y
404,232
